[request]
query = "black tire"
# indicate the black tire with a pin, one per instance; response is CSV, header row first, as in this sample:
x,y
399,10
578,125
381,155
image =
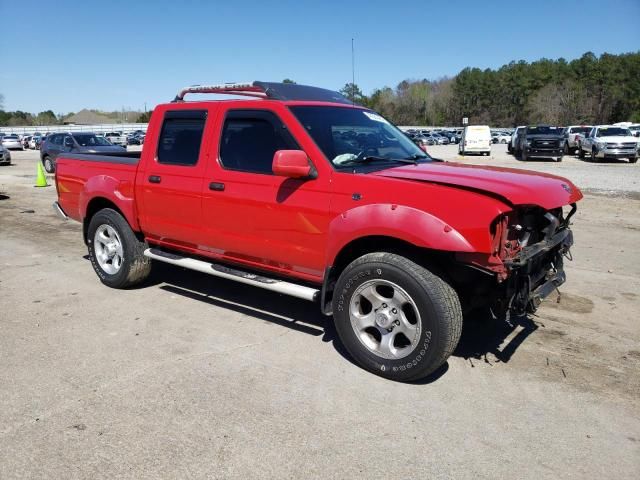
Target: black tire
x,y
566,149
633,159
593,156
523,155
47,163
558,159
580,153
135,267
436,302
509,149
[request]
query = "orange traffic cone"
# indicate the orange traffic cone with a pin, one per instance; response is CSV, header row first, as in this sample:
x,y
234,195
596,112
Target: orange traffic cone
x,y
41,179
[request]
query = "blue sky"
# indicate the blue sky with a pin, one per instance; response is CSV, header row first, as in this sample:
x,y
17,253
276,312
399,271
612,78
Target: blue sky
x,y
66,55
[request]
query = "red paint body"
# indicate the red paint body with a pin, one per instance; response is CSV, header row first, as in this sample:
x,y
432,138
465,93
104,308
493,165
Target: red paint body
x,y
297,227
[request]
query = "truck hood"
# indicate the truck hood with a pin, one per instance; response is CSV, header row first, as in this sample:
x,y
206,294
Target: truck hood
x,y
514,187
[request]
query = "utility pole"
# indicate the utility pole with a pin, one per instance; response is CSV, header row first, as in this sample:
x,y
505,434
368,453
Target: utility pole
x,y
353,75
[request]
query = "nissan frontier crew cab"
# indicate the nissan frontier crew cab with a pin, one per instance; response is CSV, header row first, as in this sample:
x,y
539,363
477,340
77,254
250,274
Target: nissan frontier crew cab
x,y
298,191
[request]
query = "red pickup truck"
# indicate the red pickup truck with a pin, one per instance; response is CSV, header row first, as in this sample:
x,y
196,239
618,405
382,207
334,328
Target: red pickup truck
x,y
298,191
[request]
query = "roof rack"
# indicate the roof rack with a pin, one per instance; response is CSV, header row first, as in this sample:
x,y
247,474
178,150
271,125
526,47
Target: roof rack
x,y
247,89
267,90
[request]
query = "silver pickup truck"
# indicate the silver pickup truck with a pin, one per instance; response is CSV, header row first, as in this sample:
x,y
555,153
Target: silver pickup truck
x,y
117,138
572,136
607,141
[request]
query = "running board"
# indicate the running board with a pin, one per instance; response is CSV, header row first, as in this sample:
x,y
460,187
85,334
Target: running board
x,y
292,289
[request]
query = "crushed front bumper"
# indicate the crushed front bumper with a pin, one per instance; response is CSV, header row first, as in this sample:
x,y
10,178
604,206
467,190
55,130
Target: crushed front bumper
x,y
537,271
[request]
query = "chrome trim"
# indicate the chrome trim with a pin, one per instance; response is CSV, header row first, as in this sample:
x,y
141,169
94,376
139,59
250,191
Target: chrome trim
x,y
58,209
291,289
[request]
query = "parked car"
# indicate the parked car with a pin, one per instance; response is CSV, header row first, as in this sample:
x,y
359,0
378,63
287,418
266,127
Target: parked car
x,y
117,138
635,129
606,141
25,141
11,142
514,142
40,140
540,141
268,193
422,142
572,136
59,143
475,139
500,137
440,138
5,156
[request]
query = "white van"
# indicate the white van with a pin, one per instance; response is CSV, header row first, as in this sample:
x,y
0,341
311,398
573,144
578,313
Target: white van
x,y
475,139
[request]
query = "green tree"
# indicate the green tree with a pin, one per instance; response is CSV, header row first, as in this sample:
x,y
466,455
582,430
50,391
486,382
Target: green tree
x,y
353,93
288,80
144,117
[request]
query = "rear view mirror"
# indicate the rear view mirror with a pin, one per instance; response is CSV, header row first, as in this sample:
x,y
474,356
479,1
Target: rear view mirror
x,y
292,164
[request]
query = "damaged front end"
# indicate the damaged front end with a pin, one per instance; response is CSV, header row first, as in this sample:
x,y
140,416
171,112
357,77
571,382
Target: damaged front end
x,y
529,245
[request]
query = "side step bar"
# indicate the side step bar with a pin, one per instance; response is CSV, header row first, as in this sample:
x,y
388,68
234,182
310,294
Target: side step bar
x,y
292,289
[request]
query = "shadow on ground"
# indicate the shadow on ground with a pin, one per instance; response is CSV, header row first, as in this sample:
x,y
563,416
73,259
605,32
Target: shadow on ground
x,y
481,334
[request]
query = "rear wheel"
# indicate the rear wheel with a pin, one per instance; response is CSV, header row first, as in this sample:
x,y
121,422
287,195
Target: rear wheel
x,y
115,252
580,153
593,155
396,318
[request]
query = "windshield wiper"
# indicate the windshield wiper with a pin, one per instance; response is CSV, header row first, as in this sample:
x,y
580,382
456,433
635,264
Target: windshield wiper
x,y
373,158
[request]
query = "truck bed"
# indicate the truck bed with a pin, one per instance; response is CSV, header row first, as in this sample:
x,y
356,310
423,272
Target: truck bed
x,y
108,175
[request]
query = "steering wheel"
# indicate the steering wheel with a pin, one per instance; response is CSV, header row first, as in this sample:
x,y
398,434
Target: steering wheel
x,y
366,152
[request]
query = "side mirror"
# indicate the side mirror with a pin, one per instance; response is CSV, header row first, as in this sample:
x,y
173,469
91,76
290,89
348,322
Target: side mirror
x,y
292,164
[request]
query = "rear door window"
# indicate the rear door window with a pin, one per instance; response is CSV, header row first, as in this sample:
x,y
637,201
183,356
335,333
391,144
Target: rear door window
x,y
181,137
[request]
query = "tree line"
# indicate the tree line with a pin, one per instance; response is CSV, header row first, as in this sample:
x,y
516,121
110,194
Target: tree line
x,y
590,90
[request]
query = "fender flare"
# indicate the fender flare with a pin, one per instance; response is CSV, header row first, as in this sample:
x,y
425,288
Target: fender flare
x,y
120,193
390,220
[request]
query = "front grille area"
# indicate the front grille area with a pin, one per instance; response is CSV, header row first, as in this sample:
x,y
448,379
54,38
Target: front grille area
x,y
625,145
542,144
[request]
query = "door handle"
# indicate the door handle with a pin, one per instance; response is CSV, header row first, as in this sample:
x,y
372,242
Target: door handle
x,y
217,186
155,179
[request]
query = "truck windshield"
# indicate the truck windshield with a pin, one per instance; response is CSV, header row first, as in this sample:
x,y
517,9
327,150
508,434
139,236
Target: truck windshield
x,y
543,130
613,131
91,140
348,136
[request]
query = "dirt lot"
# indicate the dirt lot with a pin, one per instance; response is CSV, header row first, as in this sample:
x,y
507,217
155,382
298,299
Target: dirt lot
x,y
194,377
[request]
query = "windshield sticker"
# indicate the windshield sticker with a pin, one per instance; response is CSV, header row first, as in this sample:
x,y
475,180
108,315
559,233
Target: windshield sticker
x,y
375,117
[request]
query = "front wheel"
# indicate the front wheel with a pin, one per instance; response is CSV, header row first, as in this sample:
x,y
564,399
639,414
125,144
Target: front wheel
x,y
633,160
580,153
396,318
116,253
523,155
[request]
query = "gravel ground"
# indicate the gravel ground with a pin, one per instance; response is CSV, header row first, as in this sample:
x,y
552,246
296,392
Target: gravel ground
x,y
193,377
613,177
